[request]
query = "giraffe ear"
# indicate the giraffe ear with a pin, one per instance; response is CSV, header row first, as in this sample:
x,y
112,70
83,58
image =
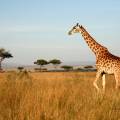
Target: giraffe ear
x,y
77,24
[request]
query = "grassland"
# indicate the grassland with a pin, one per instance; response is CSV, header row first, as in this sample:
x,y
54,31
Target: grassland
x,y
56,96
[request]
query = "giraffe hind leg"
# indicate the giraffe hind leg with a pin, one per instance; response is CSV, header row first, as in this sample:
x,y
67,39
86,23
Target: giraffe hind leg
x,y
117,78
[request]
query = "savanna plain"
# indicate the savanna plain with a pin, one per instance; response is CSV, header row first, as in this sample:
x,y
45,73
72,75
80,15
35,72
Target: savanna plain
x,y
57,96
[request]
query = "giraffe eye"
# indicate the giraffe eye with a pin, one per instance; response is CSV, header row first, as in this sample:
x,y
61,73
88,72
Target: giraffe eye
x,y
73,27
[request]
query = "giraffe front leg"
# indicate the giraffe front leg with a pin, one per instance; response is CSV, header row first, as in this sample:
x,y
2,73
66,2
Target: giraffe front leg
x,y
95,82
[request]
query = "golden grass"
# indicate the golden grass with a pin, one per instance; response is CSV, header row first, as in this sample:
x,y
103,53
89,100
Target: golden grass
x,y
56,96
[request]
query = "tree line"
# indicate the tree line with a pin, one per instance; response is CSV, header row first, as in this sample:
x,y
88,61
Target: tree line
x,y
41,62
55,62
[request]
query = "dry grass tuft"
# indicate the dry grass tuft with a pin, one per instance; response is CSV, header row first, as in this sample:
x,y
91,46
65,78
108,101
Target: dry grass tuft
x,y
56,96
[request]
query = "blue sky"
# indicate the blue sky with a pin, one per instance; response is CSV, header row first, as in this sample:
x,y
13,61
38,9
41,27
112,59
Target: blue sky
x,y
34,29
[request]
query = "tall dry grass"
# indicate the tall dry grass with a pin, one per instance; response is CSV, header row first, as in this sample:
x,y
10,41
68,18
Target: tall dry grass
x,y
56,96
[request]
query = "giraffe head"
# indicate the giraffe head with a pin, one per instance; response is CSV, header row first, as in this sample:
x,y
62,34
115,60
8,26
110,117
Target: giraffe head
x,y
77,28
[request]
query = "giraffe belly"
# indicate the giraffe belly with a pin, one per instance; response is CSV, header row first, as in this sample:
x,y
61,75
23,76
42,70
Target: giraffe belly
x,y
108,70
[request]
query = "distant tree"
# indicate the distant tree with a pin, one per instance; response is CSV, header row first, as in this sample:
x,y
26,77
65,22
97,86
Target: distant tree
x,y
38,69
4,54
55,62
67,67
41,63
79,69
88,66
20,68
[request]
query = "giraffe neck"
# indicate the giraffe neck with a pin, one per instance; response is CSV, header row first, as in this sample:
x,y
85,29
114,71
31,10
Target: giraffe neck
x,y
94,46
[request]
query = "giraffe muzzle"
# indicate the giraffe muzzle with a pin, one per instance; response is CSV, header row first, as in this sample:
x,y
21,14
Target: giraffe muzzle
x,y
69,33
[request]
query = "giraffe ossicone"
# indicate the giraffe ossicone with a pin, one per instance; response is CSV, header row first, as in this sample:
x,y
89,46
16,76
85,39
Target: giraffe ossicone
x,y
106,63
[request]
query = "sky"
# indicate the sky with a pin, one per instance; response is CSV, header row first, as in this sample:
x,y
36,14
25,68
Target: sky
x,y
38,29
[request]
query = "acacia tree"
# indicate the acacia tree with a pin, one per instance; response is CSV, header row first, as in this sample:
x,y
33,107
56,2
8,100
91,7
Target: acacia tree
x,y
67,67
41,63
55,62
4,54
88,66
20,68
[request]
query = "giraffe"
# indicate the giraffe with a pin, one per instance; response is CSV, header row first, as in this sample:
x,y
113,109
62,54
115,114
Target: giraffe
x,y
106,63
